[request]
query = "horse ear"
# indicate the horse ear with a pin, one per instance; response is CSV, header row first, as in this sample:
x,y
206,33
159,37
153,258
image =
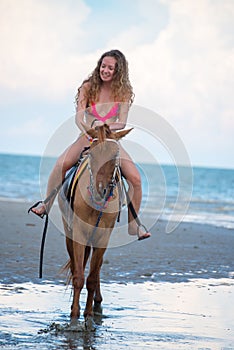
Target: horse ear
x,y
122,133
90,132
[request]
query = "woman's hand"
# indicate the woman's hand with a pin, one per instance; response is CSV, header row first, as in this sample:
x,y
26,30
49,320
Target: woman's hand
x,y
97,123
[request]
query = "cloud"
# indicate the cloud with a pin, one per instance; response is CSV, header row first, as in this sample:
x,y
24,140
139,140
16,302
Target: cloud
x,y
39,40
180,54
185,73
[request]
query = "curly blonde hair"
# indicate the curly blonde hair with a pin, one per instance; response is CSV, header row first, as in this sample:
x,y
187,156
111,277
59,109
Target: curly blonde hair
x,y
121,87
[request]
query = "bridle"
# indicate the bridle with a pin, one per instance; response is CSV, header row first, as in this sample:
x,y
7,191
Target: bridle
x,y
107,192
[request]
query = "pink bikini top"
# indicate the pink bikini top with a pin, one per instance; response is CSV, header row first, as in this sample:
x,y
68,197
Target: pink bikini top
x,y
112,113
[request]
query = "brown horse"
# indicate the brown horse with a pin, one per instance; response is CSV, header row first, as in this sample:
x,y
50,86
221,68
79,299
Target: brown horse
x,y
95,210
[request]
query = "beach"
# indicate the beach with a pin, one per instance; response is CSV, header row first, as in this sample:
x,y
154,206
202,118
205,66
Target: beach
x,y
191,251
177,287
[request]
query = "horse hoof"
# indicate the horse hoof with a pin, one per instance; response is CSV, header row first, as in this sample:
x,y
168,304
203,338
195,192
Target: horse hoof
x,y
75,314
90,325
74,323
97,308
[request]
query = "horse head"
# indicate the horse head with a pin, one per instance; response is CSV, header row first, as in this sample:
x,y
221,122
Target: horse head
x,y
104,161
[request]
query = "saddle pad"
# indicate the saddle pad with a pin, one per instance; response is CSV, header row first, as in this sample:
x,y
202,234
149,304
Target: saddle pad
x,y
70,181
77,175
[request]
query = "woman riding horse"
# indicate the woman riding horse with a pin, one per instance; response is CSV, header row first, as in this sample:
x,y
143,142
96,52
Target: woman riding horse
x,y
105,97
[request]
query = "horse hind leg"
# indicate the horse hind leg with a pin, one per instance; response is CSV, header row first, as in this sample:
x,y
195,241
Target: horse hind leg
x,y
77,278
87,254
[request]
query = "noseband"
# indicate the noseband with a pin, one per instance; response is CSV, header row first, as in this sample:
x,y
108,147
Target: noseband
x,y
108,192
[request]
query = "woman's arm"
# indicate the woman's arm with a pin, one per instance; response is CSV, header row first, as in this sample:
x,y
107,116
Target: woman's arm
x,y
81,106
118,125
123,116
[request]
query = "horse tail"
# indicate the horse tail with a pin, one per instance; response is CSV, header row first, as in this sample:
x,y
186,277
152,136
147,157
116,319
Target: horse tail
x,y
66,268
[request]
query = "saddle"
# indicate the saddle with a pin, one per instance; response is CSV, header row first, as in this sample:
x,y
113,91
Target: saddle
x,y
68,188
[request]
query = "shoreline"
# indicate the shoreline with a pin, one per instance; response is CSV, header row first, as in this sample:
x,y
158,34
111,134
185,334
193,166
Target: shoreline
x,y
191,251
188,217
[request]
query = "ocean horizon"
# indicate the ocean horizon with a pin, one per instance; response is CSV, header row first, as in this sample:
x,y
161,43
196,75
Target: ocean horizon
x,y
203,194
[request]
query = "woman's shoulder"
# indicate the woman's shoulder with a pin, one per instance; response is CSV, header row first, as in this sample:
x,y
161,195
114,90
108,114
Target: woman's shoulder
x,y
84,89
85,86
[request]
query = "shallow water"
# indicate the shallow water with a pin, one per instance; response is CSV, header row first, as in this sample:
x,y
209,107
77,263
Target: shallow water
x,y
192,315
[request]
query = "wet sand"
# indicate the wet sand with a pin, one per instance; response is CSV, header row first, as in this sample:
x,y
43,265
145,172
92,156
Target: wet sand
x,y
191,315
191,251
172,291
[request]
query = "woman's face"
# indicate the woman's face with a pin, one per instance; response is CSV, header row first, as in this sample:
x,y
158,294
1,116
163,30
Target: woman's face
x,y
107,68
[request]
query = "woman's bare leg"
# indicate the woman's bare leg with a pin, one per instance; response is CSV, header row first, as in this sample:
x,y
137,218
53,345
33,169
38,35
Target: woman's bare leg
x,y
65,161
133,178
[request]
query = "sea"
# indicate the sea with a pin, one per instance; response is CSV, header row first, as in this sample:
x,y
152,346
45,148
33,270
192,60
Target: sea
x,y
192,194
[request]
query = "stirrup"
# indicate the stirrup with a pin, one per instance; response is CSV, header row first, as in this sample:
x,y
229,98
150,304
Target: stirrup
x,y
47,200
34,206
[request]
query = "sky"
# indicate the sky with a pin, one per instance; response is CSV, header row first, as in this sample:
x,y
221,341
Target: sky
x,y
181,66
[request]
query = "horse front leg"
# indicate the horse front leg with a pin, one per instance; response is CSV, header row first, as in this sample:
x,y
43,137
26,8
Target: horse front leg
x,y
93,280
77,277
97,295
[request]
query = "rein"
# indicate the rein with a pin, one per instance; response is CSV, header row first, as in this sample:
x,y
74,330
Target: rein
x,y
52,195
101,205
109,191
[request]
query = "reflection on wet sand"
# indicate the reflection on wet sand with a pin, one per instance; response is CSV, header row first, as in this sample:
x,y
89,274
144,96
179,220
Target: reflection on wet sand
x,y
149,315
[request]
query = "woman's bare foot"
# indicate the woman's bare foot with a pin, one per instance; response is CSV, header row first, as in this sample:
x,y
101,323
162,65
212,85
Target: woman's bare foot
x,y
40,211
134,229
143,235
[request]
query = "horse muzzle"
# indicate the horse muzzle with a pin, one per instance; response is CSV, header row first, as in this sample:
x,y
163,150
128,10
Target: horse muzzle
x,y
101,190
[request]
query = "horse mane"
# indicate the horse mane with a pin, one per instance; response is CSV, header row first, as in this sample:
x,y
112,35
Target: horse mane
x,y
104,132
